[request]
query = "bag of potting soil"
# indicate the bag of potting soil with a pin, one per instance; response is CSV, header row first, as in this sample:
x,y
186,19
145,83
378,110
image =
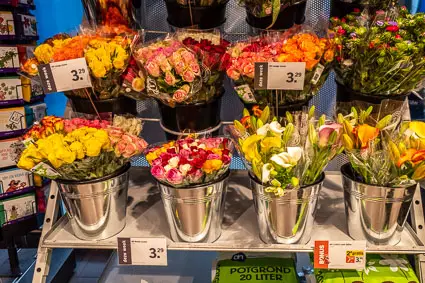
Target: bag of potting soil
x,y
379,268
255,268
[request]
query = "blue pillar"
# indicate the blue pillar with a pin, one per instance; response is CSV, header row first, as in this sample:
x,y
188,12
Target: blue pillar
x,y
53,17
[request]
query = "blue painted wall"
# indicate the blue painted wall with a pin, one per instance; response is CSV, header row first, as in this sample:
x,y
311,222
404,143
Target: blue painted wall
x,y
56,16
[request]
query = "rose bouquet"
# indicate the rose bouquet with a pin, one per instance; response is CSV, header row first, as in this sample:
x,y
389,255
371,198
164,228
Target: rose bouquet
x,y
173,71
190,161
384,152
381,54
78,149
286,155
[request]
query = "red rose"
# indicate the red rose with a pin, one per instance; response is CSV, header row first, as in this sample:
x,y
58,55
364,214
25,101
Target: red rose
x,y
197,163
341,31
356,10
392,28
398,36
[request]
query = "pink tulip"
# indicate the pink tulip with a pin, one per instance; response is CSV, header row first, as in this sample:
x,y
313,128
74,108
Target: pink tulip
x,y
158,172
174,176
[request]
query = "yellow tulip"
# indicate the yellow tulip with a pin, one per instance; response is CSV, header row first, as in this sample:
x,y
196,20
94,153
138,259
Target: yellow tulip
x,y
65,155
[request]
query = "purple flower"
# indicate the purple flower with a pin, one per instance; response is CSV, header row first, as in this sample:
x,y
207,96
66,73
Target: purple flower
x,y
380,23
353,34
392,23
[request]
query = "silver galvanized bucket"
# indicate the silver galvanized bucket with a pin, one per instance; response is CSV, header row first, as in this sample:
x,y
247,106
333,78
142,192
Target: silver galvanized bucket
x,y
195,213
287,219
97,208
376,214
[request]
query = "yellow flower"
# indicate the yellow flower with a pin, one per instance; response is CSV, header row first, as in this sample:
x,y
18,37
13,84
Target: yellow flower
x,y
270,142
65,155
26,163
119,64
44,53
103,137
44,147
151,156
212,165
250,148
78,148
93,147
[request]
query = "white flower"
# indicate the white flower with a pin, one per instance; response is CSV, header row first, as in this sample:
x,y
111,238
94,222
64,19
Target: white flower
x,y
174,162
202,145
263,130
394,262
167,168
276,128
194,144
265,176
289,158
184,168
185,146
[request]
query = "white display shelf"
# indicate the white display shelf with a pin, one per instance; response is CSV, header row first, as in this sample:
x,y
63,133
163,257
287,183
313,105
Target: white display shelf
x,y
146,218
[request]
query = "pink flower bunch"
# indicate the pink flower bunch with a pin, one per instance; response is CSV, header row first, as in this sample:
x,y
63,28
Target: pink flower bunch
x,y
76,123
124,144
190,161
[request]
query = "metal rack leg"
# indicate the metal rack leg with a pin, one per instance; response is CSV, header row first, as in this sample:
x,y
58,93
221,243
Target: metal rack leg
x,y
418,224
42,264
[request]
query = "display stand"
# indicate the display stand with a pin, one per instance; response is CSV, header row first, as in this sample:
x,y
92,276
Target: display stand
x,y
240,230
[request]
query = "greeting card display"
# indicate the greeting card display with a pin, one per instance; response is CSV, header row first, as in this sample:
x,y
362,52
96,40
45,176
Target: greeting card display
x,y
18,207
7,24
10,91
14,180
9,59
27,25
9,151
12,121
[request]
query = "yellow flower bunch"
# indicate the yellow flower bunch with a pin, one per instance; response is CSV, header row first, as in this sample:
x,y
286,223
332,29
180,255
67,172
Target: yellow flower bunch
x,y
44,53
151,156
59,149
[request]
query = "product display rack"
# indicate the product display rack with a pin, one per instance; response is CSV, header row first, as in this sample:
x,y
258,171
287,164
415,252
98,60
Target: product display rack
x,y
240,229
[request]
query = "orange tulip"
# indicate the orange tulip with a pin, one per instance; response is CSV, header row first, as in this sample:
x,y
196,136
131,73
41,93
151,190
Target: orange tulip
x,y
366,133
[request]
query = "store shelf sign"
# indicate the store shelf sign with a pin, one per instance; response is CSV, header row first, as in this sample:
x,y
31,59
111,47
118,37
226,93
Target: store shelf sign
x,y
279,75
339,254
142,251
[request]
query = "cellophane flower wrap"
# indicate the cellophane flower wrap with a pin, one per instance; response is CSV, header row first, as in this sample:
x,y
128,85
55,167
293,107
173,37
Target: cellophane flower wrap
x,y
80,149
107,59
382,53
287,154
298,44
384,151
173,70
266,8
210,48
200,3
190,161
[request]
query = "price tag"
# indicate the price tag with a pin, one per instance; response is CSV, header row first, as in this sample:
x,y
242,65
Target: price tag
x,y
279,76
339,254
64,75
142,251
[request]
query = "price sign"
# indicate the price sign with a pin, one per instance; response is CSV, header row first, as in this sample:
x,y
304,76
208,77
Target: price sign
x,y
64,75
339,254
279,76
142,251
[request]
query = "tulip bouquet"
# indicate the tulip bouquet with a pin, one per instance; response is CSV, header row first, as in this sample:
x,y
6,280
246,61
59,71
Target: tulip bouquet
x,y
78,149
384,152
286,155
381,54
173,71
190,161
296,45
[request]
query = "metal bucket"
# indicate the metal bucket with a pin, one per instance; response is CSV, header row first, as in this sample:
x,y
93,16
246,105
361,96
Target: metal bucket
x,y
97,208
287,219
195,214
376,214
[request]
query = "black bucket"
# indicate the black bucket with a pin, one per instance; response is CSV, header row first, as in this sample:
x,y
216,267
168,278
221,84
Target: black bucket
x,y
345,94
340,8
294,14
116,105
204,17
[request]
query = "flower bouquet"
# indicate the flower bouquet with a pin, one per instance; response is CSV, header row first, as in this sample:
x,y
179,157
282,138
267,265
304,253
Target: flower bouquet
x,y
381,55
297,45
79,149
386,162
192,176
286,163
274,14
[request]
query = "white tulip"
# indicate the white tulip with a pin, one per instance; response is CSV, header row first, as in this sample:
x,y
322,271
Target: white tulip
x,y
263,130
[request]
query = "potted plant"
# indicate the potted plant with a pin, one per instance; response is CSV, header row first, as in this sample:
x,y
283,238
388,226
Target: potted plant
x,y
378,57
386,161
184,74
192,176
274,14
340,8
90,162
286,163
297,45
203,14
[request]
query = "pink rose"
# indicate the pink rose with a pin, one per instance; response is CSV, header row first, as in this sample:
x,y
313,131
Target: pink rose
x,y
233,74
157,161
187,57
158,172
153,69
325,132
195,68
226,159
170,79
185,153
195,176
174,176
213,156
189,76
248,70
181,94
179,67
114,134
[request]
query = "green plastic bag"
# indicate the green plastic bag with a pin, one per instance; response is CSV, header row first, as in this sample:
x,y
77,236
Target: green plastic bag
x,y
379,269
256,270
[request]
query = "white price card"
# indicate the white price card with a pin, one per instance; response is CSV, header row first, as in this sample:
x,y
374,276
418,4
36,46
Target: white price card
x,y
279,76
64,75
142,251
339,254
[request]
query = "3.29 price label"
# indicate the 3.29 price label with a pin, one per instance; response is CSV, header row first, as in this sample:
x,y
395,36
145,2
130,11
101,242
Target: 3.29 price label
x,y
142,251
64,75
279,76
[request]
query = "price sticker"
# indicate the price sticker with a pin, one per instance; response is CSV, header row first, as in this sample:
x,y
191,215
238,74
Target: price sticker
x,y
279,76
64,75
339,254
142,251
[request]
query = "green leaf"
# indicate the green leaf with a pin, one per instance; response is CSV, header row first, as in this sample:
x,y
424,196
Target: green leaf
x,y
265,115
275,11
